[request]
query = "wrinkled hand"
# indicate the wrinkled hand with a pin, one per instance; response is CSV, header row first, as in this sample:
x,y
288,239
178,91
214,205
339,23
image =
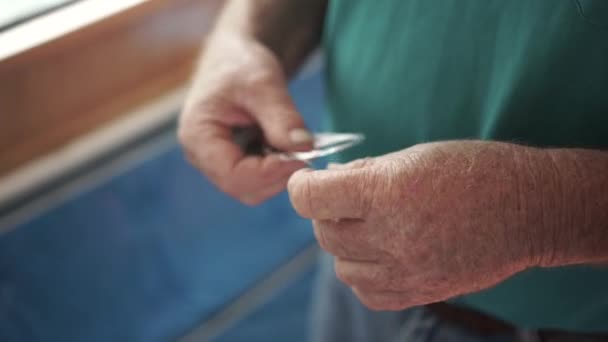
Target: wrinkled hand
x,y
240,82
424,224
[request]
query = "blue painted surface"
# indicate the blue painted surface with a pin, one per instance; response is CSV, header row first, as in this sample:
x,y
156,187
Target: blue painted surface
x,y
284,318
145,255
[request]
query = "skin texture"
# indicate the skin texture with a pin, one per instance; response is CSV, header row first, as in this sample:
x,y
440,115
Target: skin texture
x,y
443,219
242,80
412,227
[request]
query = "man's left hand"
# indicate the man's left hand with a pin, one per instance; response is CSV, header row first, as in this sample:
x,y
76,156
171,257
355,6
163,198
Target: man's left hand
x,y
429,222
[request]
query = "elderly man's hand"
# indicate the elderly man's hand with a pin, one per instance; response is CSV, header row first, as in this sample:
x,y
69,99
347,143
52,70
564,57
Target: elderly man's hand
x,y
427,223
240,82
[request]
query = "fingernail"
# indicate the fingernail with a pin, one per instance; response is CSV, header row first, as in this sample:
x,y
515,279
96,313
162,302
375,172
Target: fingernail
x,y
286,157
300,136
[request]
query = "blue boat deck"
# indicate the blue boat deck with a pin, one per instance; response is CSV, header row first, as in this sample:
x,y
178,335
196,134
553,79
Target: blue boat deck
x,y
153,252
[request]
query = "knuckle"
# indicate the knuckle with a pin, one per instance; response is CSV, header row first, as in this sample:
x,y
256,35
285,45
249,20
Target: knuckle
x,y
401,303
364,279
250,200
228,186
343,275
267,174
391,305
371,305
373,192
202,107
372,302
370,282
261,76
190,157
389,278
375,278
382,302
184,135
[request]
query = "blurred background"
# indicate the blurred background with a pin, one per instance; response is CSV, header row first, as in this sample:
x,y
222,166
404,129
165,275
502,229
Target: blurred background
x,y
106,233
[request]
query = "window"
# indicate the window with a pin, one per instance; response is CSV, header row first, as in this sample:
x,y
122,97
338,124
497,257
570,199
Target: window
x,y
13,12
87,63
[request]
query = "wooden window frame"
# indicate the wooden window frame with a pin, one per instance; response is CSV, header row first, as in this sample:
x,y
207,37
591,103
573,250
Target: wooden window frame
x,y
67,73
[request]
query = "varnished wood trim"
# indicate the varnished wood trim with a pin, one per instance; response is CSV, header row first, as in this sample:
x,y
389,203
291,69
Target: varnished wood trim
x,y
55,92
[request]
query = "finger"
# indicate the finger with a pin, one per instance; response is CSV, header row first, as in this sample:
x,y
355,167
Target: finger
x,y
334,166
209,146
252,175
349,239
259,197
355,164
225,164
368,276
276,113
277,168
331,194
383,300
270,190
370,280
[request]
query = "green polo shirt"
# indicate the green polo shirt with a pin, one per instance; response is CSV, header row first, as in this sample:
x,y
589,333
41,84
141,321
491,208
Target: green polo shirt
x,y
531,71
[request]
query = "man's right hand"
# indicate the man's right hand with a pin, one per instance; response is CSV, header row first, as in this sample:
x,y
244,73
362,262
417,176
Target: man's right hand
x,y
239,83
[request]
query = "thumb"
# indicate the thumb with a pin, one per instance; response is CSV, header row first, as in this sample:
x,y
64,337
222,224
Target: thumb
x,y
355,164
283,127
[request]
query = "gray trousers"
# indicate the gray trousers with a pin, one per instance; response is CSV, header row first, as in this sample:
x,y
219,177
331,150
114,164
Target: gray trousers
x,y
338,316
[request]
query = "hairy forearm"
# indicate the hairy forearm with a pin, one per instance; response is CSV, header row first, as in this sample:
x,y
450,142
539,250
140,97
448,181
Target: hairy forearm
x,y
290,28
573,203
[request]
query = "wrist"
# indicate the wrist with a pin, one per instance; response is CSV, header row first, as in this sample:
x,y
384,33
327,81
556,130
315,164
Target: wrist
x,y
538,193
566,220
289,29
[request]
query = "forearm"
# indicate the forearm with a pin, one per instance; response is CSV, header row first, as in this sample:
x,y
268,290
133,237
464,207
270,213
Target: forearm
x,y
573,199
290,28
